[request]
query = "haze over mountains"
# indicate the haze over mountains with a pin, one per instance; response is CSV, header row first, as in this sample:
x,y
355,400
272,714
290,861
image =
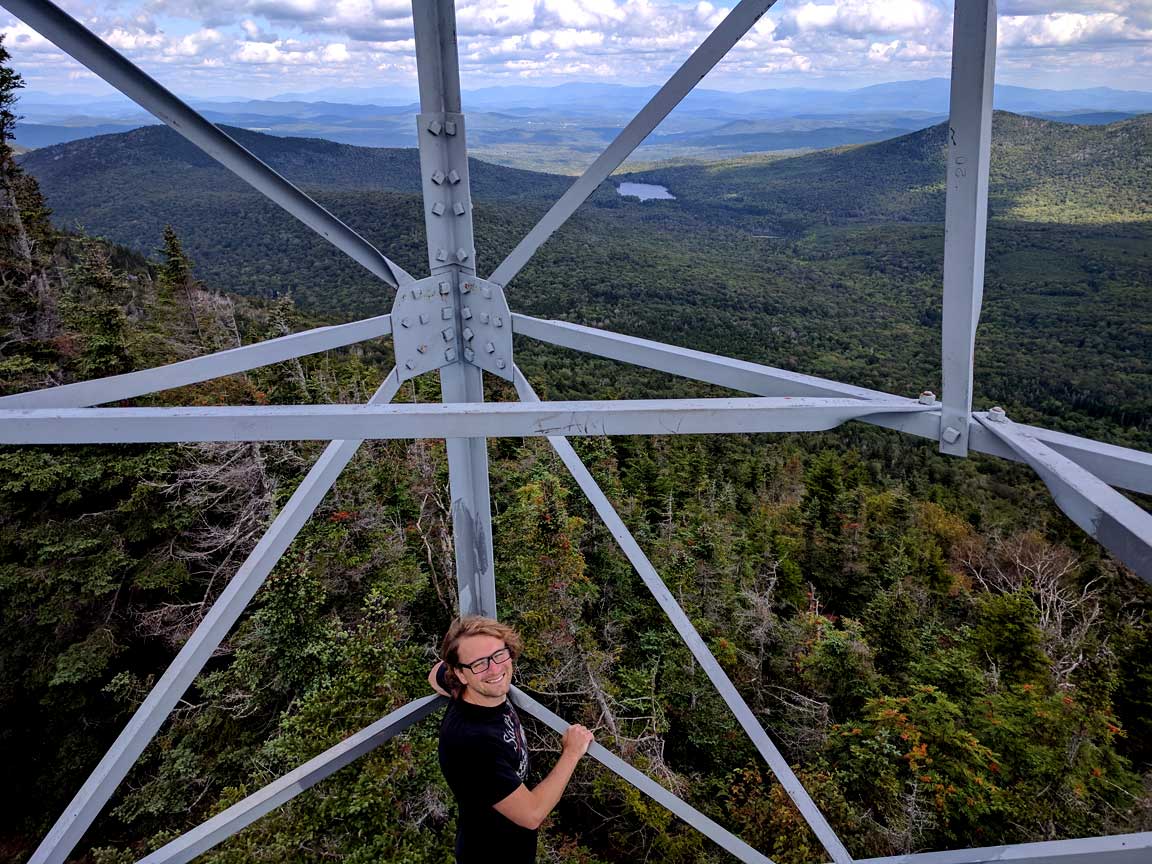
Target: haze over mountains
x,y
564,127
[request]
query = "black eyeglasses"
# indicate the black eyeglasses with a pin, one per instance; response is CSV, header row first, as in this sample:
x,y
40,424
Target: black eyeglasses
x,y
481,665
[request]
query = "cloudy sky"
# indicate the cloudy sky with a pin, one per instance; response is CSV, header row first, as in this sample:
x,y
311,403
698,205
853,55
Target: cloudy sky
x,y
219,48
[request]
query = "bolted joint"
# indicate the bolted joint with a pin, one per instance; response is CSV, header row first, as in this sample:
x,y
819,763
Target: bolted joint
x,y
449,127
927,397
436,127
951,435
997,414
437,177
438,208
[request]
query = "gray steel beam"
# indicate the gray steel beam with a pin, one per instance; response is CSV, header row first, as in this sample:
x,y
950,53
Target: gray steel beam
x,y
243,813
117,387
150,716
712,830
1123,528
451,251
1117,849
966,211
1119,466
738,22
743,713
450,420
87,48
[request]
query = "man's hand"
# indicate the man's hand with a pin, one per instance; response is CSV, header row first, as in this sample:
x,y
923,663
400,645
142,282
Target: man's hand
x,y
435,685
577,740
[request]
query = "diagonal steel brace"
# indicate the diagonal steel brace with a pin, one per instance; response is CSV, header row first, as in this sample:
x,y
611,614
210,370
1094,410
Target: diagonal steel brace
x,y
743,713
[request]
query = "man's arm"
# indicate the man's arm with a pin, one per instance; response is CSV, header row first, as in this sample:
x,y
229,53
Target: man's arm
x,y
528,808
434,681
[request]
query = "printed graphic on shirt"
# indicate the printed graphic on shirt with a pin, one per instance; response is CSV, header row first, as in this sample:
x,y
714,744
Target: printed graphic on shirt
x,y
514,735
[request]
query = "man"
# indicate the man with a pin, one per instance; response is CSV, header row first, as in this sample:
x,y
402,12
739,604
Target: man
x,y
483,752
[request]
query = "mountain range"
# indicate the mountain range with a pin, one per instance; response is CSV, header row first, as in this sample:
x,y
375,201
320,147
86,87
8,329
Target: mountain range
x,y
563,127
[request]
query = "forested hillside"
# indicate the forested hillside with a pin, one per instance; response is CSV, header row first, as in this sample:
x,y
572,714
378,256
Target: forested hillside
x,y
945,659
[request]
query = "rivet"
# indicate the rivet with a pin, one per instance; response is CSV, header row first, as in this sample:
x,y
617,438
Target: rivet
x,y
423,349
468,334
490,348
951,435
453,176
449,333
450,354
927,398
435,127
461,254
483,317
438,208
425,317
459,209
500,364
409,364
997,414
445,313
469,354
441,255
466,313
405,322
487,292
450,127
498,321
443,287
437,176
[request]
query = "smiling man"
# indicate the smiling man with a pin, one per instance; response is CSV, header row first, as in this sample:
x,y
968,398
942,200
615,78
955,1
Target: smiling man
x,y
483,752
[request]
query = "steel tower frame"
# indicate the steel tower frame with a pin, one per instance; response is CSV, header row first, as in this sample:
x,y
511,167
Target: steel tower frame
x,y
459,325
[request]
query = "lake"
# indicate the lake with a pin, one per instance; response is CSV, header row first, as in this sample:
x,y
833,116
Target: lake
x,y
645,191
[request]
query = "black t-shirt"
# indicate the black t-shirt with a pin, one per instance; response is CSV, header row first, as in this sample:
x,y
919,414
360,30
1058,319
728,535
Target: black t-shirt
x,y
484,757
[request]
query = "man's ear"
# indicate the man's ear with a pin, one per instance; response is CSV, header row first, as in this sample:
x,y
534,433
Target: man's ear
x,y
459,673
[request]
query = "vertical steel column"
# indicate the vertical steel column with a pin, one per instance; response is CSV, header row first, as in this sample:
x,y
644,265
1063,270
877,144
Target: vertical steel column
x,y
451,253
966,213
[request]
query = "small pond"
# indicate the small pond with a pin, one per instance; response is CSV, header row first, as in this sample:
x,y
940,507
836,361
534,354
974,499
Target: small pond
x,y
645,191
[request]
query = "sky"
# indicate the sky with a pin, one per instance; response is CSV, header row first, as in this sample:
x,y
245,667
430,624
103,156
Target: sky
x,y
261,48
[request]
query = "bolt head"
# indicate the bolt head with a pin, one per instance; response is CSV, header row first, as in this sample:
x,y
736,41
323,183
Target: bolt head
x,y
453,176
465,313
500,363
449,333
490,348
405,322
469,354
459,209
423,349
443,287
435,127
450,127
441,255
446,313
468,334
927,398
997,414
951,435
409,364
461,254
484,317
450,355
466,288
438,208
437,176
486,291
425,317
498,320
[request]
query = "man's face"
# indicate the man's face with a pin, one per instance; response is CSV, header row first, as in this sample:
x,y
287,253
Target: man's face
x,y
493,682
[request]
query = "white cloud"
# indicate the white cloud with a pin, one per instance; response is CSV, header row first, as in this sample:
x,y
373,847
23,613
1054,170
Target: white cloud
x,y
1068,28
